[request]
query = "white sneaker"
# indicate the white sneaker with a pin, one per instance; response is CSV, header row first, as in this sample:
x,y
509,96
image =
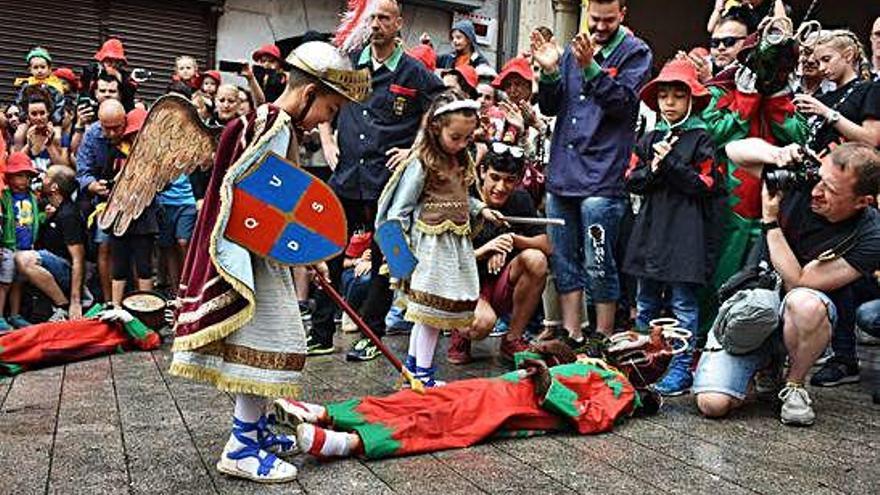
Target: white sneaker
x,y
796,406
59,314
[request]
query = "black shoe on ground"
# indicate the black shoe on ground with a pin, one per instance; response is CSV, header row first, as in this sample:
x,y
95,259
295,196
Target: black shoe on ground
x,y
317,348
305,311
835,372
362,350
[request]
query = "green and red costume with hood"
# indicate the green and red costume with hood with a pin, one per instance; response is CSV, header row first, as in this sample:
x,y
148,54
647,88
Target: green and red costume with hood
x,y
584,396
736,113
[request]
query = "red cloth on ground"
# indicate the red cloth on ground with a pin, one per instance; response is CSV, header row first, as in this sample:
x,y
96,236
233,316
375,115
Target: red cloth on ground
x,y
54,343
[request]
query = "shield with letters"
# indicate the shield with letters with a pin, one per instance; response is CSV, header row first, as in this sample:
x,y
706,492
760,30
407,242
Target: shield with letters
x,y
281,212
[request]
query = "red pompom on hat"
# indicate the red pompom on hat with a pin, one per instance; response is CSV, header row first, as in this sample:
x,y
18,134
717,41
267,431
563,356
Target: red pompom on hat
x,y
680,71
19,162
519,66
424,54
134,120
213,74
112,48
269,49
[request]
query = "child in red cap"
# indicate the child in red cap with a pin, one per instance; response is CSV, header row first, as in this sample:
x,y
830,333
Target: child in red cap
x,y
269,72
672,249
21,225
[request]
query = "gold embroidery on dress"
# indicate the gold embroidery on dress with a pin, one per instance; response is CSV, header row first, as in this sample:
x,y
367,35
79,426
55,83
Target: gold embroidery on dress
x,y
441,303
264,360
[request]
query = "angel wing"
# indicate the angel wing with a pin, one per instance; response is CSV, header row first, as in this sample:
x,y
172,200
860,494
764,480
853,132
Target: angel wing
x,y
172,141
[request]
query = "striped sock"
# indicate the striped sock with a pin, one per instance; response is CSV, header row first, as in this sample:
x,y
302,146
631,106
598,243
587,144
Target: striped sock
x,y
322,443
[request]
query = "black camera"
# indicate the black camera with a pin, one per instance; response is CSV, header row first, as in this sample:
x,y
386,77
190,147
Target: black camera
x,y
803,173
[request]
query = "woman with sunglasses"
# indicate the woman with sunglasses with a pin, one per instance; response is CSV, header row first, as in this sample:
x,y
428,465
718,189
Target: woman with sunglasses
x,y
852,111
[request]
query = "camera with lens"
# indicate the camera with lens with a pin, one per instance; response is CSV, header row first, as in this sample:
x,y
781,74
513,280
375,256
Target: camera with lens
x,y
805,172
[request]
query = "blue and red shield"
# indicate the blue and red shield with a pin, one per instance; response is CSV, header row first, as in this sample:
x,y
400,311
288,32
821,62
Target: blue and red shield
x,y
283,213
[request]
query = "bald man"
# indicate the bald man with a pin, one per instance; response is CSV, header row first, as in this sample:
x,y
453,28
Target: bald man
x,y
94,172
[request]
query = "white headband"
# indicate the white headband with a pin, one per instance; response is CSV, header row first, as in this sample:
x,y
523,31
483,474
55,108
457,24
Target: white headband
x,y
454,106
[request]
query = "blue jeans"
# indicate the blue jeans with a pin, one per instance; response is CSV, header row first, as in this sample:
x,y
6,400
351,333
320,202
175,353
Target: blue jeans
x,y
354,289
868,318
583,256
682,299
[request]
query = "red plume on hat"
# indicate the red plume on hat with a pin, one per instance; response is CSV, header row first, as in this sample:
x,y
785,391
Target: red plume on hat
x,y
354,28
677,71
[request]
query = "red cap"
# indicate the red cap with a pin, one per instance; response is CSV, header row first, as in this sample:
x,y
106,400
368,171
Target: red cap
x,y
469,75
424,54
270,50
19,162
682,71
68,75
213,74
134,120
519,66
112,48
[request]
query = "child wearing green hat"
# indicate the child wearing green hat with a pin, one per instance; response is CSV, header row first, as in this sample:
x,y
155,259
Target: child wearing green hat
x,y
40,67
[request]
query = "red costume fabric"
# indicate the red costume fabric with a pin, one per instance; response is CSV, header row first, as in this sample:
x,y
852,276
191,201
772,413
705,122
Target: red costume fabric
x,y
583,397
48,344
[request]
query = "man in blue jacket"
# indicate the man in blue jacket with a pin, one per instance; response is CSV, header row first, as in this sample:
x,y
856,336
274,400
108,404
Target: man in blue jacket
x,y
373,138
593,91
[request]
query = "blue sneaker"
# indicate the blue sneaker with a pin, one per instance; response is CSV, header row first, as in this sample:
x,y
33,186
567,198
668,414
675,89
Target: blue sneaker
x,y
678,379
17,321
501,327
4,325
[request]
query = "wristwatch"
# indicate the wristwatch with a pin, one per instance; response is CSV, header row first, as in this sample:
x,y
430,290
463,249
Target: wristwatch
x,y
833,117
768,226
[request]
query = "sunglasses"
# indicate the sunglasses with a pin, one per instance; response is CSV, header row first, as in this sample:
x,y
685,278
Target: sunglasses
x,y
500,148
726,42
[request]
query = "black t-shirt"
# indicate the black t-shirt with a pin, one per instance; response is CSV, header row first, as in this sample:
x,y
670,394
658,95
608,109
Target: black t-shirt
x,y
810,235
518,205
66,227
856,100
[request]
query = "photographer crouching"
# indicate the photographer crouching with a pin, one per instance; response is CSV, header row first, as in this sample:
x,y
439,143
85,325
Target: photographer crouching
x,y
822,233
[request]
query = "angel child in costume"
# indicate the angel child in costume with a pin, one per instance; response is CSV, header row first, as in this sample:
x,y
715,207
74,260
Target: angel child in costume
x,y
429,197
238,324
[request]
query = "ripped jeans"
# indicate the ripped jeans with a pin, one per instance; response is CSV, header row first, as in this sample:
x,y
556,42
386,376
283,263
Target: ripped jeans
x,y
583,256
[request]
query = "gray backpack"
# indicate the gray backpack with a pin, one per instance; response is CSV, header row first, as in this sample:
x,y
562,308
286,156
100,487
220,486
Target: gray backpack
x,y
747,318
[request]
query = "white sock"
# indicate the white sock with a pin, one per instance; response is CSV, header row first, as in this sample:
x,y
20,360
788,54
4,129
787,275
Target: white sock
x,y
426,343
321,442
248,408
414,339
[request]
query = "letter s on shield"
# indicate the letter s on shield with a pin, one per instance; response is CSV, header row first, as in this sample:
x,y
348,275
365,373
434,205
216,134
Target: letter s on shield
x,y
283,213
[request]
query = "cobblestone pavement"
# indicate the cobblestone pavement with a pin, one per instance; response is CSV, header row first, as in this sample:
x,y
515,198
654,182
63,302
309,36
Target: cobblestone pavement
x,y
121,424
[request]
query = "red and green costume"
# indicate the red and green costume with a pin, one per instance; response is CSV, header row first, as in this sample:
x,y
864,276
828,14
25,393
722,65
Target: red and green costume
x,y
585,397
732,115
53,343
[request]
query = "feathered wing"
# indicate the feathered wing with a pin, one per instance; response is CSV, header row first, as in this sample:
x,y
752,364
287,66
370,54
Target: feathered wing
x,y
172,141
